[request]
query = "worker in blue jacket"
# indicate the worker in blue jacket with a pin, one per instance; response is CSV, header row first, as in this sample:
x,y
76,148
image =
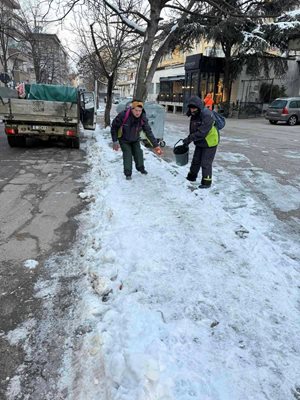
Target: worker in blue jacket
x,y
205,136
125,132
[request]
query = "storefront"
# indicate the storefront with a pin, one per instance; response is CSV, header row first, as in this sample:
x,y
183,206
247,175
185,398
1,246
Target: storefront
x,y
171,89
203,75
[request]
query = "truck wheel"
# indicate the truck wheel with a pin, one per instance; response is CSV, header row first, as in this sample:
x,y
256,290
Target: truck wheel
x,y
19,141
76,143
11,141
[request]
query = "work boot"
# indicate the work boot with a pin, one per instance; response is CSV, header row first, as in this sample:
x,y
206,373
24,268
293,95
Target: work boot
x,y
205,182
143,171
191,177
204,186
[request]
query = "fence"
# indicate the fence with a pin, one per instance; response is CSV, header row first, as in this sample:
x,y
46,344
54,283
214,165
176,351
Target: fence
x,y
241,109
235,109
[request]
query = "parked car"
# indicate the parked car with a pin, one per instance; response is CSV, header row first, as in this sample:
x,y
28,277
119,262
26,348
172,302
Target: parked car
x,y
285,109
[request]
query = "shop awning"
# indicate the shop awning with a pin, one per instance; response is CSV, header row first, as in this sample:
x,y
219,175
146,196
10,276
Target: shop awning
x,y
172,78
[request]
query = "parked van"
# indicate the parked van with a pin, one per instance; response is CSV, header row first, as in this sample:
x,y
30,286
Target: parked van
x,y
285,109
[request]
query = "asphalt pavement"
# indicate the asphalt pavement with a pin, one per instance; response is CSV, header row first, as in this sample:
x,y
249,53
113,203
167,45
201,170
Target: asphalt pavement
x,y
39,202
272,148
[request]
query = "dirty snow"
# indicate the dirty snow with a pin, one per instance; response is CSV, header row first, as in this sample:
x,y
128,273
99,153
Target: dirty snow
x,y
184,294
191,294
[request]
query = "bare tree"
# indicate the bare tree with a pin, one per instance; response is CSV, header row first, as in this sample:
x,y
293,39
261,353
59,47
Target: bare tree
x,y
43,51
156,32
108,46
33,24
9,35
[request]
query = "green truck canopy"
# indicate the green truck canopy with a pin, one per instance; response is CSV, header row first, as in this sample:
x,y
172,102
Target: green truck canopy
x,y
51,92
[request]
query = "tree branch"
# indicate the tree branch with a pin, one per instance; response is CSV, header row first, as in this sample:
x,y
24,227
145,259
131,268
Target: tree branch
x,y
130,24
98,52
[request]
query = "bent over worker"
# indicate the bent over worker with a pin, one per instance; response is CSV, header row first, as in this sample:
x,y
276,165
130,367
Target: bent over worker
x,y
125,132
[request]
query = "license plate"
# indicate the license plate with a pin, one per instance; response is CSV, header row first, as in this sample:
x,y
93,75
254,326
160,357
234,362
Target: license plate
x,y
39,127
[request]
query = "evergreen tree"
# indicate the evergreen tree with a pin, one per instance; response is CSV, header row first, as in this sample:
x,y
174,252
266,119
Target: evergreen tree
x,y
245,36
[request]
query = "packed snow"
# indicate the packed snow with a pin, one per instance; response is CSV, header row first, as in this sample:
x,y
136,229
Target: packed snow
x,y
185,293
193,294
31,264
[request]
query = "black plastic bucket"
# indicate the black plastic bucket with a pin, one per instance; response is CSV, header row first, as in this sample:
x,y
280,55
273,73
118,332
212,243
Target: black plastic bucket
x,y
181,154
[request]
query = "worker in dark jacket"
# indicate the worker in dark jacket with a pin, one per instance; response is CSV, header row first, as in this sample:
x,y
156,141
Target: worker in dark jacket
x,y
125,132
205,136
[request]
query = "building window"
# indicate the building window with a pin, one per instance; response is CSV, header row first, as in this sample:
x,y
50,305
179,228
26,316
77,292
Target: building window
x,y
213,52
194,83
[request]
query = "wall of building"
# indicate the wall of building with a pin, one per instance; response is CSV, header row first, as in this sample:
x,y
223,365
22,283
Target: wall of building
x,y
246,88
174,58
167,72
293,78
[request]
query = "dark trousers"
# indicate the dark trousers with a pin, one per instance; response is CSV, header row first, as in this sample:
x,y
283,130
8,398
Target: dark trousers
x,y
203,158
132,150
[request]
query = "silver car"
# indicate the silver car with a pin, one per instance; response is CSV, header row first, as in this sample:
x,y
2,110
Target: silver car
x,y
285,109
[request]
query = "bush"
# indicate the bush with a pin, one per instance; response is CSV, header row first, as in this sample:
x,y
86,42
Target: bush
x,y
269,92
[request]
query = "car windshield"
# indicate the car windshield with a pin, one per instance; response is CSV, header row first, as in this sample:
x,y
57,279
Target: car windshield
x,y
278,104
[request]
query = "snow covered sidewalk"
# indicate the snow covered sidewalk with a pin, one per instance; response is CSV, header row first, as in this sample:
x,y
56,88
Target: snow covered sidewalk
x,y
190,294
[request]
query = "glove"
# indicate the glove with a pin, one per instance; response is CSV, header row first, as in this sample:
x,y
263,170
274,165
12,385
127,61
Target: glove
x,y
158,151
186,141
116,146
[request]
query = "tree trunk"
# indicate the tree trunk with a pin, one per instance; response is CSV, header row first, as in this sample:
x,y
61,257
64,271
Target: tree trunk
x,y
227,80
227,73
140,90
5,69
37,68
151,71
110,86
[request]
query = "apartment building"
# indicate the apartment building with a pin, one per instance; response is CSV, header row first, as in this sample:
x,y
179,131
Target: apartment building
x,y
24,57
126,81
51,59
15,65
